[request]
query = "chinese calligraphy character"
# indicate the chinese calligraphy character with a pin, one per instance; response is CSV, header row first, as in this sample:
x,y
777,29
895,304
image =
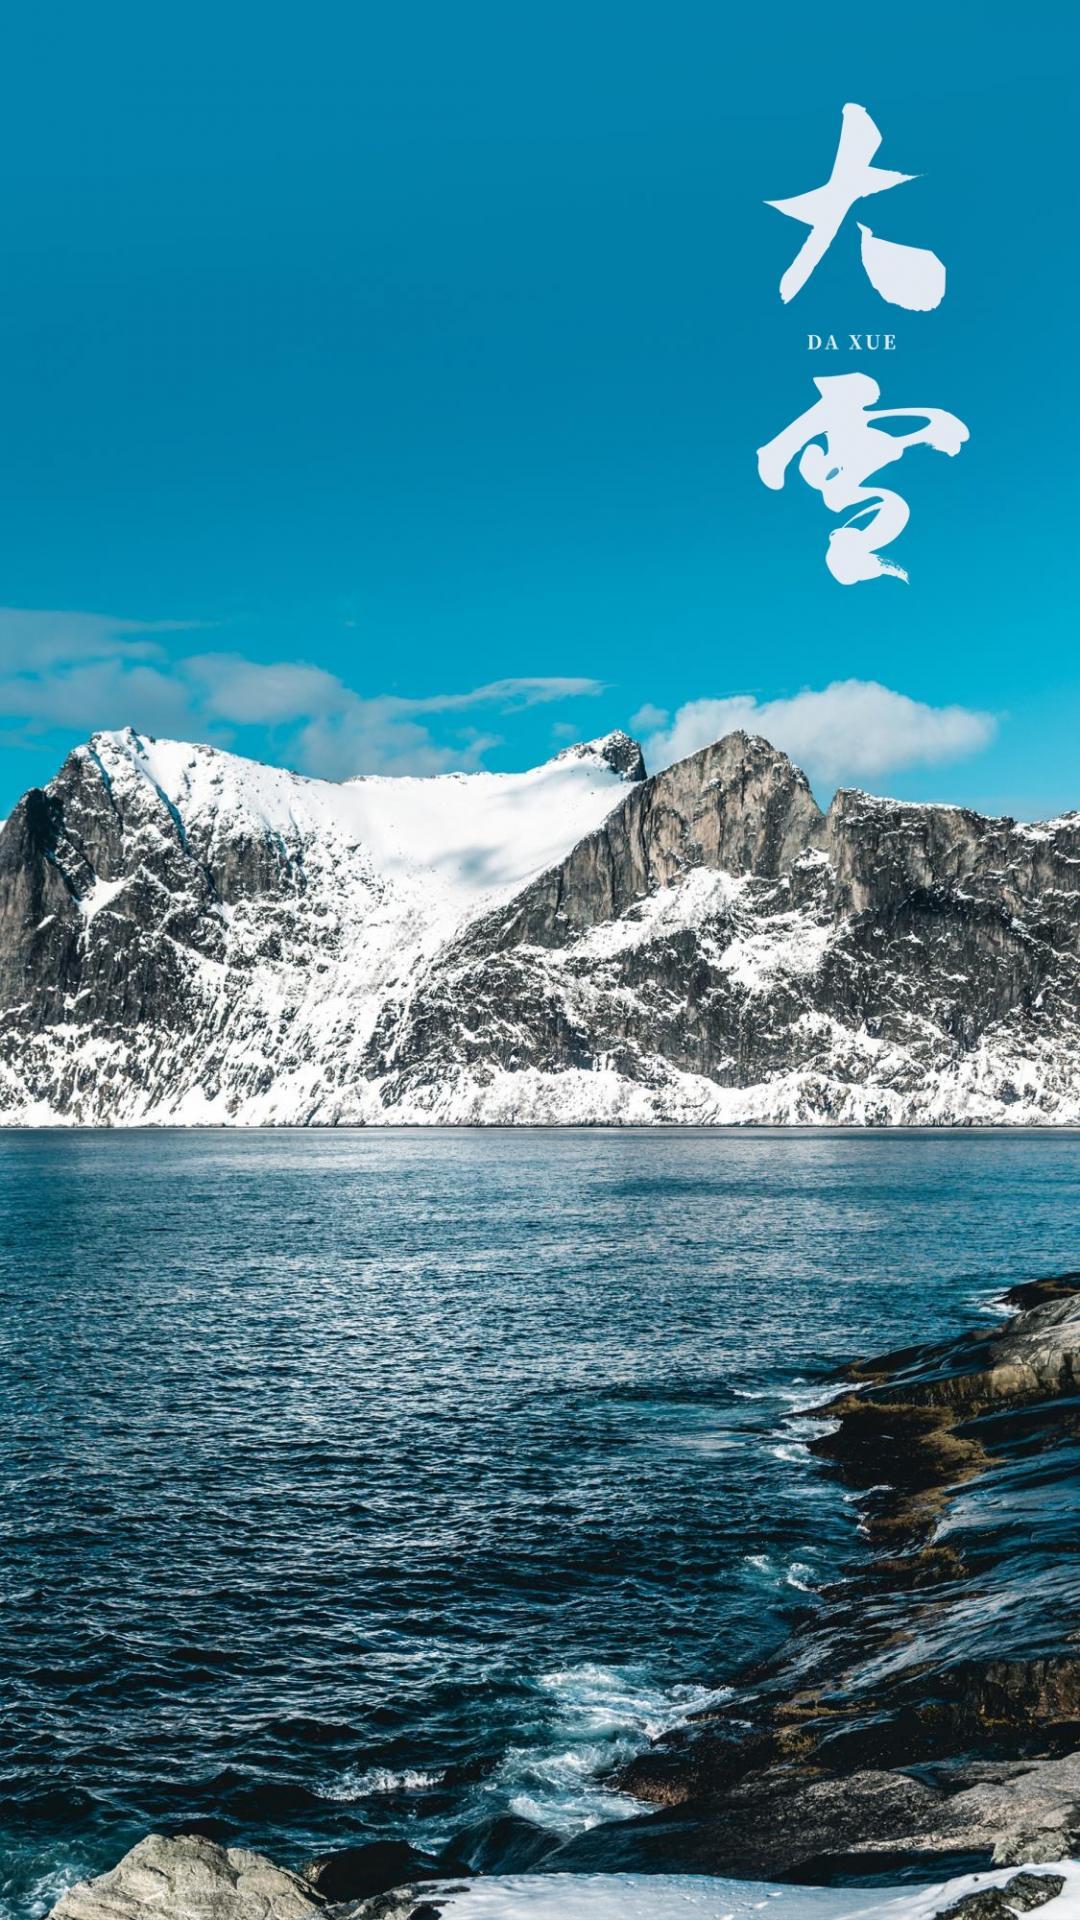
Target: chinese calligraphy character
x,y
854,449
911,277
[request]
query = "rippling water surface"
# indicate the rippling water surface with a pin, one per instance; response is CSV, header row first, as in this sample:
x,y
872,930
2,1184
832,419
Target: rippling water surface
x,y
362,1484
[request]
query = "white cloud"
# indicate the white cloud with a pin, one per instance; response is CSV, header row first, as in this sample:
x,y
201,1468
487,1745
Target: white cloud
x,y
648,718
373,738
851,730
92,693
82,671
342,732
228,686
511,695
33,639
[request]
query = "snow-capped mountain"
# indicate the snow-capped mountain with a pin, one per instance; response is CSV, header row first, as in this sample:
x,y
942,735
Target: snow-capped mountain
x,y
188,937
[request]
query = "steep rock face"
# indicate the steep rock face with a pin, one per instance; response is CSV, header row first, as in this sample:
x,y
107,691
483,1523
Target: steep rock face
x,y
189,937
719,949
737,807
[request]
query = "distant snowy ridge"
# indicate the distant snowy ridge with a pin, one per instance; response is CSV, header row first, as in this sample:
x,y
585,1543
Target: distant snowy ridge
x,y
187,937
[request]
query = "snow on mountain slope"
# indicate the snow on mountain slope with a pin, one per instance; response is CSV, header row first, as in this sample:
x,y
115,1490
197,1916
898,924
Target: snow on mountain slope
x,y
186,937
468,837
209,938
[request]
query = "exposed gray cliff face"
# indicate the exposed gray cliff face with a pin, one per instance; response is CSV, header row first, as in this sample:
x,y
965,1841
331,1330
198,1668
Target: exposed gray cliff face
x,y
737,807
185,936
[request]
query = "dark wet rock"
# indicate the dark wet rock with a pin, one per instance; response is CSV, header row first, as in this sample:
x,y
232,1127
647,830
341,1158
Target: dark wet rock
x,y
989,1903
505,1843
1027,1890
1040,1293
770,1826
353,1873
1021,1894
784,1824
414,1902
1014,1694
928,1419
699,1761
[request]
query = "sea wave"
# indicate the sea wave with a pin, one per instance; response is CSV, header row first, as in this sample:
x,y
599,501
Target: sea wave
x,y
361,1783
595,1718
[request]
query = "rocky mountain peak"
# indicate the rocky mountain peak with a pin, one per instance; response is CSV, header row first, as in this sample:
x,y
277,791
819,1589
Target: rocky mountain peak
x,y
617,750
744,803
739,748
738,806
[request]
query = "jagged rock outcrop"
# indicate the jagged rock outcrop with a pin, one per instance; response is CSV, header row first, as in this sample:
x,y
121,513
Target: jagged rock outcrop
x,y
190,1879
189,937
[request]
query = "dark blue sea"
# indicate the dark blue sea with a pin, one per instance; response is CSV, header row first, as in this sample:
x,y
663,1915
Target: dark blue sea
x,y
360,1484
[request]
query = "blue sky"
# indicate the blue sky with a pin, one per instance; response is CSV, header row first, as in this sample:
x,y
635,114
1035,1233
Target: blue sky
x,y
381,386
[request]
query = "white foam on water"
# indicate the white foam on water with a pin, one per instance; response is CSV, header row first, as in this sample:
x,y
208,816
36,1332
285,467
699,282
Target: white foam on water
x,y
42,1893
357,1784
590,1719
800,1575
596,1718
793,1573
997,1305
802,1395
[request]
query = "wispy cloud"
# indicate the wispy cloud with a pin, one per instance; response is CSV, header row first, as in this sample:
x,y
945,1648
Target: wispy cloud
x,y
342,732
71,696
33,639
850,730
230,687
84,671
649,719
511,695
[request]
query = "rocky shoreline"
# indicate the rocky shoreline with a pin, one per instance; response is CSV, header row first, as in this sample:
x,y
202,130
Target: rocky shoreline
x,y
922,1722
928,1715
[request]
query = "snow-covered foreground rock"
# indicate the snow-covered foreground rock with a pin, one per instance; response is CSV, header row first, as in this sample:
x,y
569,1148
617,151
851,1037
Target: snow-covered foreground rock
x,y
612,1896
190,938
192,1879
